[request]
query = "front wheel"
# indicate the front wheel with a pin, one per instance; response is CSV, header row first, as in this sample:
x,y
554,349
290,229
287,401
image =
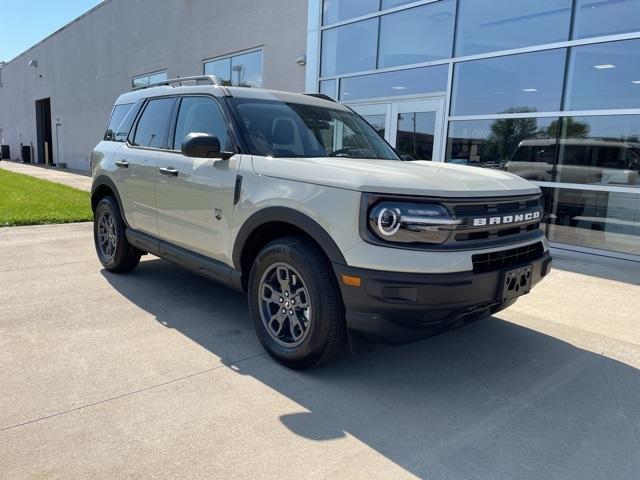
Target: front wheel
x,y
114,251
296,304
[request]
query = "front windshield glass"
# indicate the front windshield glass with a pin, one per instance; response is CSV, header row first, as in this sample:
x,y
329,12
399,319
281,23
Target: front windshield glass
x,y
274,128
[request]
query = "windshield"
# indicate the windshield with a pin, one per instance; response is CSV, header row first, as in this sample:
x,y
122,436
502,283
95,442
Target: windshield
x,y
275,128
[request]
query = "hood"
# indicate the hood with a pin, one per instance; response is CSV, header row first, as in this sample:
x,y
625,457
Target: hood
x,y
420,178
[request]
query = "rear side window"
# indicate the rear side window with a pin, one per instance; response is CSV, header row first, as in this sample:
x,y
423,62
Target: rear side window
x,y
153,126
117,116
201,115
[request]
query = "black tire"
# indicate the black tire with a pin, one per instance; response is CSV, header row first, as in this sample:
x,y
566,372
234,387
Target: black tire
x,y
122,257
324,317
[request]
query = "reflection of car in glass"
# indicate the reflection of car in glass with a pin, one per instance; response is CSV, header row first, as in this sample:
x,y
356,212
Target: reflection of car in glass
x,y
495,164
585,161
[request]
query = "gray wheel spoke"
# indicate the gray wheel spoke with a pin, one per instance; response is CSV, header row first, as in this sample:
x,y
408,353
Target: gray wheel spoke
x,y
300,298
295,322
276,317
282,274
273,296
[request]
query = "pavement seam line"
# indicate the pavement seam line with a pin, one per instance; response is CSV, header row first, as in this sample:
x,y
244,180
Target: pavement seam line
x,y
44,266
616,403
129,394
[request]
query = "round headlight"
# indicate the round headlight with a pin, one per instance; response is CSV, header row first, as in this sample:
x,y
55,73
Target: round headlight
x,y
405,222
389,221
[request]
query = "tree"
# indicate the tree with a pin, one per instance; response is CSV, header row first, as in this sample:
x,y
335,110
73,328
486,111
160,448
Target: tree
x,y
571,128
507,133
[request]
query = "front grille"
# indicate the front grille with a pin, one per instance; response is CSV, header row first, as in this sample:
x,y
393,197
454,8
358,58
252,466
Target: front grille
x,y
490,262
495,209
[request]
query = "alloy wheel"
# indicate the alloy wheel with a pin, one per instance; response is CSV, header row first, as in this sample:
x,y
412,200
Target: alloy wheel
x,y
285,306
107,240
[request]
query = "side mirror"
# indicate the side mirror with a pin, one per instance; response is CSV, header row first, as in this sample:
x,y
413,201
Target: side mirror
x,y
203,145
109,135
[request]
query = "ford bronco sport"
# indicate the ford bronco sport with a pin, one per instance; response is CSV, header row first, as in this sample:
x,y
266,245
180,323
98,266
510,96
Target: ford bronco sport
x,y
299,202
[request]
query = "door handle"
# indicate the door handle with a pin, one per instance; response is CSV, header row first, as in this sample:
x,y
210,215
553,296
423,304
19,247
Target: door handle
x,y
169,171
122,164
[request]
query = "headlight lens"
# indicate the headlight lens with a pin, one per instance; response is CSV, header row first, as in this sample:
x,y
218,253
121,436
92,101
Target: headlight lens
x,y
402,222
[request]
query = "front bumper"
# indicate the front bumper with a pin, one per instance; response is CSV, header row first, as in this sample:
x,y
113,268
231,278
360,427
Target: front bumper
x,y
393,307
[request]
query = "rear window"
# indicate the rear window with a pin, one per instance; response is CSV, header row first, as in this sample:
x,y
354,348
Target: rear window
x,y
117,116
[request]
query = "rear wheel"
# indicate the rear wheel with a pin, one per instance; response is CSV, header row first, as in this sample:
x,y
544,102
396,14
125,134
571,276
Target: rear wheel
x,y
114,251
296,304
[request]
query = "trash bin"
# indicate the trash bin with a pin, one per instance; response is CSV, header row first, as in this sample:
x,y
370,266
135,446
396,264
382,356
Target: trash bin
x,y
5,153
26,153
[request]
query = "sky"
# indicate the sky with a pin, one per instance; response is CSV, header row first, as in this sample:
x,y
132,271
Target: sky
x,y
23,23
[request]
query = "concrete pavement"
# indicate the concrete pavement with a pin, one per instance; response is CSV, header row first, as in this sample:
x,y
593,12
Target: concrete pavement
x,y
72,178
158,373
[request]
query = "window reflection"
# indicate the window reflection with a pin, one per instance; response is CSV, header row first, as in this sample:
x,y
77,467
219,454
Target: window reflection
x,y
328,87
527,82
606,17
349,48
603,220
338,10
524,146
604,76
244,70
391,84
394,3
417,35
600,150
415,135
148,79
378,122
490,25
221,69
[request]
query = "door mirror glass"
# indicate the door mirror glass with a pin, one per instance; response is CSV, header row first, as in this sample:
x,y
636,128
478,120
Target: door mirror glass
x,y
203,145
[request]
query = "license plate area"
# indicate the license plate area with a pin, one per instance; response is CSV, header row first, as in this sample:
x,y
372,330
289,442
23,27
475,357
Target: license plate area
x,y
516,282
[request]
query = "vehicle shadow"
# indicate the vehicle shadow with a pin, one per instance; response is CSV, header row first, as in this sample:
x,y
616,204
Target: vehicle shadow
x,y
490,400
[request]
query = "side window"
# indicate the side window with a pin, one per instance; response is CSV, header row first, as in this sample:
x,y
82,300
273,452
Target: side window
x,y
122,132
117,116
201,115
153,126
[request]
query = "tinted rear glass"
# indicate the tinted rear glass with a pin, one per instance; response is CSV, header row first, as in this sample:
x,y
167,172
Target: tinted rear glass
x,y
117,116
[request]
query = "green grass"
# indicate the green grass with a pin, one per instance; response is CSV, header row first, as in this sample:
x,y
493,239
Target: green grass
x,y
26,200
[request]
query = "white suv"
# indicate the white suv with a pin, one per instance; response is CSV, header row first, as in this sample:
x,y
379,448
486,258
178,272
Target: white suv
x,y
299,202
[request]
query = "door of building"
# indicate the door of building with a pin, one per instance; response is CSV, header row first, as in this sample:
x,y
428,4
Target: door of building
x,y
413,127
43,131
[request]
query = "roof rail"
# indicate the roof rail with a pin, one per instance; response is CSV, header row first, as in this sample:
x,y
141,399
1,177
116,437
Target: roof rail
x,y
321,95
208,79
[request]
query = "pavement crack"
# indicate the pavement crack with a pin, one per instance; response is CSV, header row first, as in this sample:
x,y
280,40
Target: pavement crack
x,y
616,402
44,266
134,392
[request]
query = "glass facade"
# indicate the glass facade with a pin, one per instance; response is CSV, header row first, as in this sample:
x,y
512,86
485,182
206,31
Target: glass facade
x,y
527,82
416,35
241,70
388,84
545,89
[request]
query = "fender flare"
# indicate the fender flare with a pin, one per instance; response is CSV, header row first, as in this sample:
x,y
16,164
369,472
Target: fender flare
x,y
104,180
292,217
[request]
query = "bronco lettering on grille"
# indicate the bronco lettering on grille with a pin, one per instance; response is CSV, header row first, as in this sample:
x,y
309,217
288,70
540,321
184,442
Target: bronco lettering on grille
x,y
506,219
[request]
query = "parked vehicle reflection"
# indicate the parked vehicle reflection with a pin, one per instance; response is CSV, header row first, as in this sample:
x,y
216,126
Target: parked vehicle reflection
x,y
583,161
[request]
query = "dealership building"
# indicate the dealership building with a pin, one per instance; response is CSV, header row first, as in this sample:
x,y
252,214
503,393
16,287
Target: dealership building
x,y
545,89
